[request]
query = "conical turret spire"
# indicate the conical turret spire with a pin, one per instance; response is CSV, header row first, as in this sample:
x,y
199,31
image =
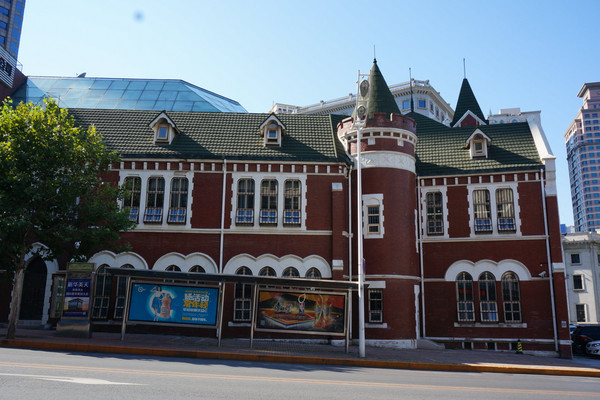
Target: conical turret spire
x,y
381,98
466,102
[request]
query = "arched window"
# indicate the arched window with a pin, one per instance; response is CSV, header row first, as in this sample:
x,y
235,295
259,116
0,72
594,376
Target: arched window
x,y
313,273
131,200
487,298
267,271
511,297
198,268
291,197
101,293
290,272
173,268
242,305
464,297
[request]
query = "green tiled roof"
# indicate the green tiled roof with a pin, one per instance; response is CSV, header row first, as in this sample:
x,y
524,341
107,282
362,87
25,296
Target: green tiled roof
x,y
466,102
216,135
441,150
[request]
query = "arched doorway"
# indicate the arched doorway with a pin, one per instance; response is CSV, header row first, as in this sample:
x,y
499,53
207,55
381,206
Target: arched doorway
x,y
34,291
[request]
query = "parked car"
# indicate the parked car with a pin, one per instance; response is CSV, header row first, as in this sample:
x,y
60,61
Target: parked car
x,y
593,348
582,335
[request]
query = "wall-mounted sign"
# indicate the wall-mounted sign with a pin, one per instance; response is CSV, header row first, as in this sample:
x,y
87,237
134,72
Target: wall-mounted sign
x,y
158,303
8,64
315,313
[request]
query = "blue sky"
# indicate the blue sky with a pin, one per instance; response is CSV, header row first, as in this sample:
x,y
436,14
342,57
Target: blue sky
x,y
535,55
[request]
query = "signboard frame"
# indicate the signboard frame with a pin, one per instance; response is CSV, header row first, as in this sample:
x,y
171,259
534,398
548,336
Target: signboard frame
x,y
168,288
290,315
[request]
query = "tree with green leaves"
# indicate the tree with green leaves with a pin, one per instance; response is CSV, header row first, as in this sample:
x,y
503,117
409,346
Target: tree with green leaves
x,y
52,192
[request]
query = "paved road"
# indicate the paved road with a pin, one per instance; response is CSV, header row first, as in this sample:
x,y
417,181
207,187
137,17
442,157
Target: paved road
x,y
27,374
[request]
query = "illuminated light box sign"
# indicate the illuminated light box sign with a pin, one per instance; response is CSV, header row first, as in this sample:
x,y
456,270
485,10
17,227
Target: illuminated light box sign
x,y
77,298
157,303
314,313
8,64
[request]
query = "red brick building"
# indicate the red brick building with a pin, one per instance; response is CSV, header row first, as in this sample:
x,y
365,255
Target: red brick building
x,y
461,238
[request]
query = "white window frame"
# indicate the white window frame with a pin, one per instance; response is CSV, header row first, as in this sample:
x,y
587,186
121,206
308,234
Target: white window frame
x,y
370,200
168,175
425,190
585,313
478,138
272,131
371,317
258,177
492,187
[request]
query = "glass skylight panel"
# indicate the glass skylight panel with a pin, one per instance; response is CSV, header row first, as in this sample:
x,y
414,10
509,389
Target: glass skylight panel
x,y
113,94
131,94
183,106
100,84
145,105
137,85
167,95
154,85
149,95
174,86
119,84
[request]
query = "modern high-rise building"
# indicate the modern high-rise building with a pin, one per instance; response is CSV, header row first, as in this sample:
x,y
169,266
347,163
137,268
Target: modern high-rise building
x,y
583,155
11,21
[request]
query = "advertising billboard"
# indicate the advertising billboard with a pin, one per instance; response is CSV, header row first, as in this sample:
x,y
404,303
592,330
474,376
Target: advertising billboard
x,y
159,303
77,298
301,312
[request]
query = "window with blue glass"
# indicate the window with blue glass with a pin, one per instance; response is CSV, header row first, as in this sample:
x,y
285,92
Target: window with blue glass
x,y
405,104
422,103
292,197
487,298
482,211
179,200
506,210
245,202
268,202
131,201
155,200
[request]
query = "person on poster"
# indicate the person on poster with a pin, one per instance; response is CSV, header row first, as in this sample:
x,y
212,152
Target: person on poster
x,y
157,301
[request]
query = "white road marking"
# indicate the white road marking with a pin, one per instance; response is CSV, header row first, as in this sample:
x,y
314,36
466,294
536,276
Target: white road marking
x,y
83,381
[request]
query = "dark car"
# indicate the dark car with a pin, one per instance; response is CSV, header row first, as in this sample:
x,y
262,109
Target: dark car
x,y
582,335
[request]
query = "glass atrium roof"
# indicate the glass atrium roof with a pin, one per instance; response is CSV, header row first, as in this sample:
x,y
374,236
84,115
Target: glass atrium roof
x,y
125,94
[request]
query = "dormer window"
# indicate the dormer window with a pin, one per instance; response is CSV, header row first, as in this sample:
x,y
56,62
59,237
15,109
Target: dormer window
x,y
272,131
164,129
478,144
163,133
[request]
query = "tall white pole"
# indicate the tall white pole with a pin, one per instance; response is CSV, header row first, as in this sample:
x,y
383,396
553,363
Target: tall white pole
x,y
359,215
359,223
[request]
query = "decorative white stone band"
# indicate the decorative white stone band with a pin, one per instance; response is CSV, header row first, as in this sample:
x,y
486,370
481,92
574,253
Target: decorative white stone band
x,y
388,159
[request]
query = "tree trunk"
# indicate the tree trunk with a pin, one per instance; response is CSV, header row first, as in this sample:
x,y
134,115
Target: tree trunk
x,y
15,304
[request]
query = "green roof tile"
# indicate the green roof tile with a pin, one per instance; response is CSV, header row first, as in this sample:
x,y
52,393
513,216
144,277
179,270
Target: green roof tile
x,y
442,150
216,135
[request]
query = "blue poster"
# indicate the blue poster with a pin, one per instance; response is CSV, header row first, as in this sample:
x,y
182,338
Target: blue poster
x,y
173,304
77,298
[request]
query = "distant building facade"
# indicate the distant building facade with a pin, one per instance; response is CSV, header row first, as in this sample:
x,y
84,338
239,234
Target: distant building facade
x,y
582,263
582,139
416,95
11,22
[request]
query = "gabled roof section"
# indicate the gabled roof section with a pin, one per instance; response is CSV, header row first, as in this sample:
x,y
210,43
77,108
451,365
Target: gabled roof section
x,y
272,117
381,98
466,102
475,133
440,150
163,117
216,136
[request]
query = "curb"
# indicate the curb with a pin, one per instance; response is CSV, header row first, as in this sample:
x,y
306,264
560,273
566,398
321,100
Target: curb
x,y
211,355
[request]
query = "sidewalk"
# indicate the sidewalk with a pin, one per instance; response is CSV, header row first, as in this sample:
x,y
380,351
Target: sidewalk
x,y
300,352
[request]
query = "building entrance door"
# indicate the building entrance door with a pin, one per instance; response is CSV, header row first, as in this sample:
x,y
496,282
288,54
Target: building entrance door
x,y
34,291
